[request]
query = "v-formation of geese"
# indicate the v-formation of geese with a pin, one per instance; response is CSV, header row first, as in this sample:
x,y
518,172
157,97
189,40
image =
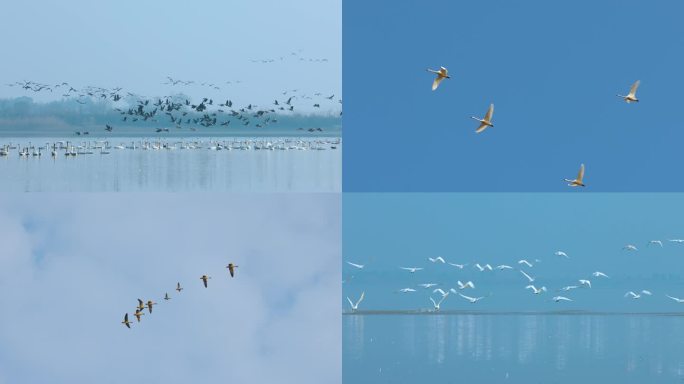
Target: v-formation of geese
x,y
486,121
142,305
583,283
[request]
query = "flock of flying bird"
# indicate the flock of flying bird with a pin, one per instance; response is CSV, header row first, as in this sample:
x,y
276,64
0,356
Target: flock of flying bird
x,y
523,267
140,309
181,112
486,122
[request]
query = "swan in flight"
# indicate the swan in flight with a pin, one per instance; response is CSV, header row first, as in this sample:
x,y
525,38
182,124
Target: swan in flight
x,y
578,181
407,290
630,247
125,321
676,299
466,285
359,266
411,269
631,96
646,292
561,298
459,266
523,261
440,291
486,121
562,254
677,241
231,268
535,290
471,299
569,287
585,282
530,278
204,279
632,295
355,306
600,274
656,242
178,287
437,259
437,304
481,268
442,74
503,266
427,285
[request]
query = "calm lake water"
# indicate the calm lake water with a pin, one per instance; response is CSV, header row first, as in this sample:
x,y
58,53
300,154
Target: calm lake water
x,y
501,348
235,164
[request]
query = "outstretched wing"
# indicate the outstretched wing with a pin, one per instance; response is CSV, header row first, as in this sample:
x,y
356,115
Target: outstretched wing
x,y
360,298
481,128
350,302
435,83
580,175
490,113
632,91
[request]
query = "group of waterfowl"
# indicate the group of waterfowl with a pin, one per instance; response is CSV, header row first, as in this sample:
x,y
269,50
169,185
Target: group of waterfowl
x,y
532,282
486,122
140,308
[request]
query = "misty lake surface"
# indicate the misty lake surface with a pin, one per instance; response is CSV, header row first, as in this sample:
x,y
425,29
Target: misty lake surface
x,y
181,164
513,348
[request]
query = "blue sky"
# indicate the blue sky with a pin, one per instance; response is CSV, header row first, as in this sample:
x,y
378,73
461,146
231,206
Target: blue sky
x,y
386,231
72,264
135,45
551,69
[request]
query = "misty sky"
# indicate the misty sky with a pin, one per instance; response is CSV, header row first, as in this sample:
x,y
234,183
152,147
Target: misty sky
x,y
72,264
135,45
389,231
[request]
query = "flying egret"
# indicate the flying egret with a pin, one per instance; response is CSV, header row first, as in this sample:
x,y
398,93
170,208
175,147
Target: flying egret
x,y
486,121
355,306
631,96
442,74
578,181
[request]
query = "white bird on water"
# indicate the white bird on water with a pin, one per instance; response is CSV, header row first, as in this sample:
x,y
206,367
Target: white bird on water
x,y
437,259
578,182
355,306
656,242
486,121
442,73
600,274
631,96
536,290
471,299
676,299
561,253
437,304
585,282
412,269
466,285
561,298
523,261
359,266
630,247
530,278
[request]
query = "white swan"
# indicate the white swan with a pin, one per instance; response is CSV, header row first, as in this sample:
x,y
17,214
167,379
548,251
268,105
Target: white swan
x,y
631,96
600,274
561,298
530,278
442,74
411,269
523,261
437,304
536,290
471,299
466,285
355,306
486,121
437,259
676,299
585,282
561,253
578,181
359,266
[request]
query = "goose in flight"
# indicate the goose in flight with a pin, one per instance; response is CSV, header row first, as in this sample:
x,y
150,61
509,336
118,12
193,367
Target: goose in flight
x,y
656,242
578,181
355,306
486,121
178,287
585,282
630,247
412,269
631,96
166,296
471,299
569,287
427,285
442,74
523,261
138,313
141,305
459,266
204,279
466,285
125,321
561,298
407,290
562,254
440,291
600,274
150,303
536,290
359,266
437,259
530,278
676,299
437,304
231,268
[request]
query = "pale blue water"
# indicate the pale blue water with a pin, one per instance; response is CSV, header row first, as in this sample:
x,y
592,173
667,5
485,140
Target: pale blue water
x,y
185,164
500,348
